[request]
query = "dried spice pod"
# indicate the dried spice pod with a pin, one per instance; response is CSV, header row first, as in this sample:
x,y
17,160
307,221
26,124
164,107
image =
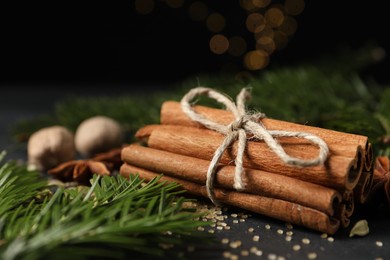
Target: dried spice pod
x,y
80,171
360,229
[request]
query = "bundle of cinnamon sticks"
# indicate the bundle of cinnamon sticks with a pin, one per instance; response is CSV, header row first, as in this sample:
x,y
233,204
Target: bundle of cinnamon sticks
x,y
319,197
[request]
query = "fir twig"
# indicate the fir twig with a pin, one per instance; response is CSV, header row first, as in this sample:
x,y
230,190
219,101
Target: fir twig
x,y
113,214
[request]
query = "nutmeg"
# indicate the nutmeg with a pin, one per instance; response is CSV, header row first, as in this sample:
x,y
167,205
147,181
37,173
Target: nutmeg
x,y
98,134
50,146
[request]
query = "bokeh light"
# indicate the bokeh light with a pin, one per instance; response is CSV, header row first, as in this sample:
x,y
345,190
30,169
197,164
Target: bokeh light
x,y
261,3
267,27
266,43
274,17
254,22
219,44
256,60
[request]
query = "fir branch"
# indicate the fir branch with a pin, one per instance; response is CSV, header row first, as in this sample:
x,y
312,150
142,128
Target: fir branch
x,y
113,214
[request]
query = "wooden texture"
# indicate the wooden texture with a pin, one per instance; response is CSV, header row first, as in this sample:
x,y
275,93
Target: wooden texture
x,y
257,182
271,207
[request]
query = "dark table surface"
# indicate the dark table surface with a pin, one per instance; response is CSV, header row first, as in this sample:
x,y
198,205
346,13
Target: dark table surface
x,y
19,103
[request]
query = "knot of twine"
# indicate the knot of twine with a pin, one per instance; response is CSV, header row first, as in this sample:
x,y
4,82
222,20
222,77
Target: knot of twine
x,y
243,125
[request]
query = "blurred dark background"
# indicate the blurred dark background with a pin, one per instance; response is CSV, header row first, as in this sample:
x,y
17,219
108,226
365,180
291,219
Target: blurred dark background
x,y
80,43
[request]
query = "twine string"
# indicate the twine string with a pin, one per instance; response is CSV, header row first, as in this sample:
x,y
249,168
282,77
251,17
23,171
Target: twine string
x,y
245,124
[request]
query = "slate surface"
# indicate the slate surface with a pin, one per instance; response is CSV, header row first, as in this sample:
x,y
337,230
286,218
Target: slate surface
x,y
21,103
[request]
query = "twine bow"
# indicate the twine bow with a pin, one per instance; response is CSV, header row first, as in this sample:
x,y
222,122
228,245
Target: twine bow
x,y
243,125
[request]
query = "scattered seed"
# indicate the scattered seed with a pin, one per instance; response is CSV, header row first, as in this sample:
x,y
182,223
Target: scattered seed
x,y
280,231
379,258
259,253
289,233
235,221
280,258
234,215
324,235
289,225
330,239
225,240
226,228
267,226
235,244
244,252
379,243
288,238
212,225
211,231
219,228
227,254
244,216
296,247
251,229
306,241
200,228
272,256
253,249
234,257
312,255
242,220
256,238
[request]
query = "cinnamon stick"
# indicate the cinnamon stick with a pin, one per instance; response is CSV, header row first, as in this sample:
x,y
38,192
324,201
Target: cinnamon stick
x,y
257,182
275,208
339,172
339,143
363,188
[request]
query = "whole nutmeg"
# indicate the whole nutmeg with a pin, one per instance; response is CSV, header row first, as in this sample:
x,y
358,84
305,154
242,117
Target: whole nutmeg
x,y
98,134
50,146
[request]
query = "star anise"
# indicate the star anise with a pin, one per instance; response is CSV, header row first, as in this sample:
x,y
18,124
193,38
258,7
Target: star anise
x,y
80,171
381,177
112,158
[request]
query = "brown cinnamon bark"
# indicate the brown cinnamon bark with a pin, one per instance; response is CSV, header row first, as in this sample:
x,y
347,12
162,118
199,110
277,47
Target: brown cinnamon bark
x,y
257,182
364,186
338,172
340,143
275,208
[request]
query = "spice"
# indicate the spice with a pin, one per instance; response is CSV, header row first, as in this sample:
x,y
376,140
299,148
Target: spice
x,y
271,207
98,134
50,146
360,228
80,171
258,182
341,171
381,179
